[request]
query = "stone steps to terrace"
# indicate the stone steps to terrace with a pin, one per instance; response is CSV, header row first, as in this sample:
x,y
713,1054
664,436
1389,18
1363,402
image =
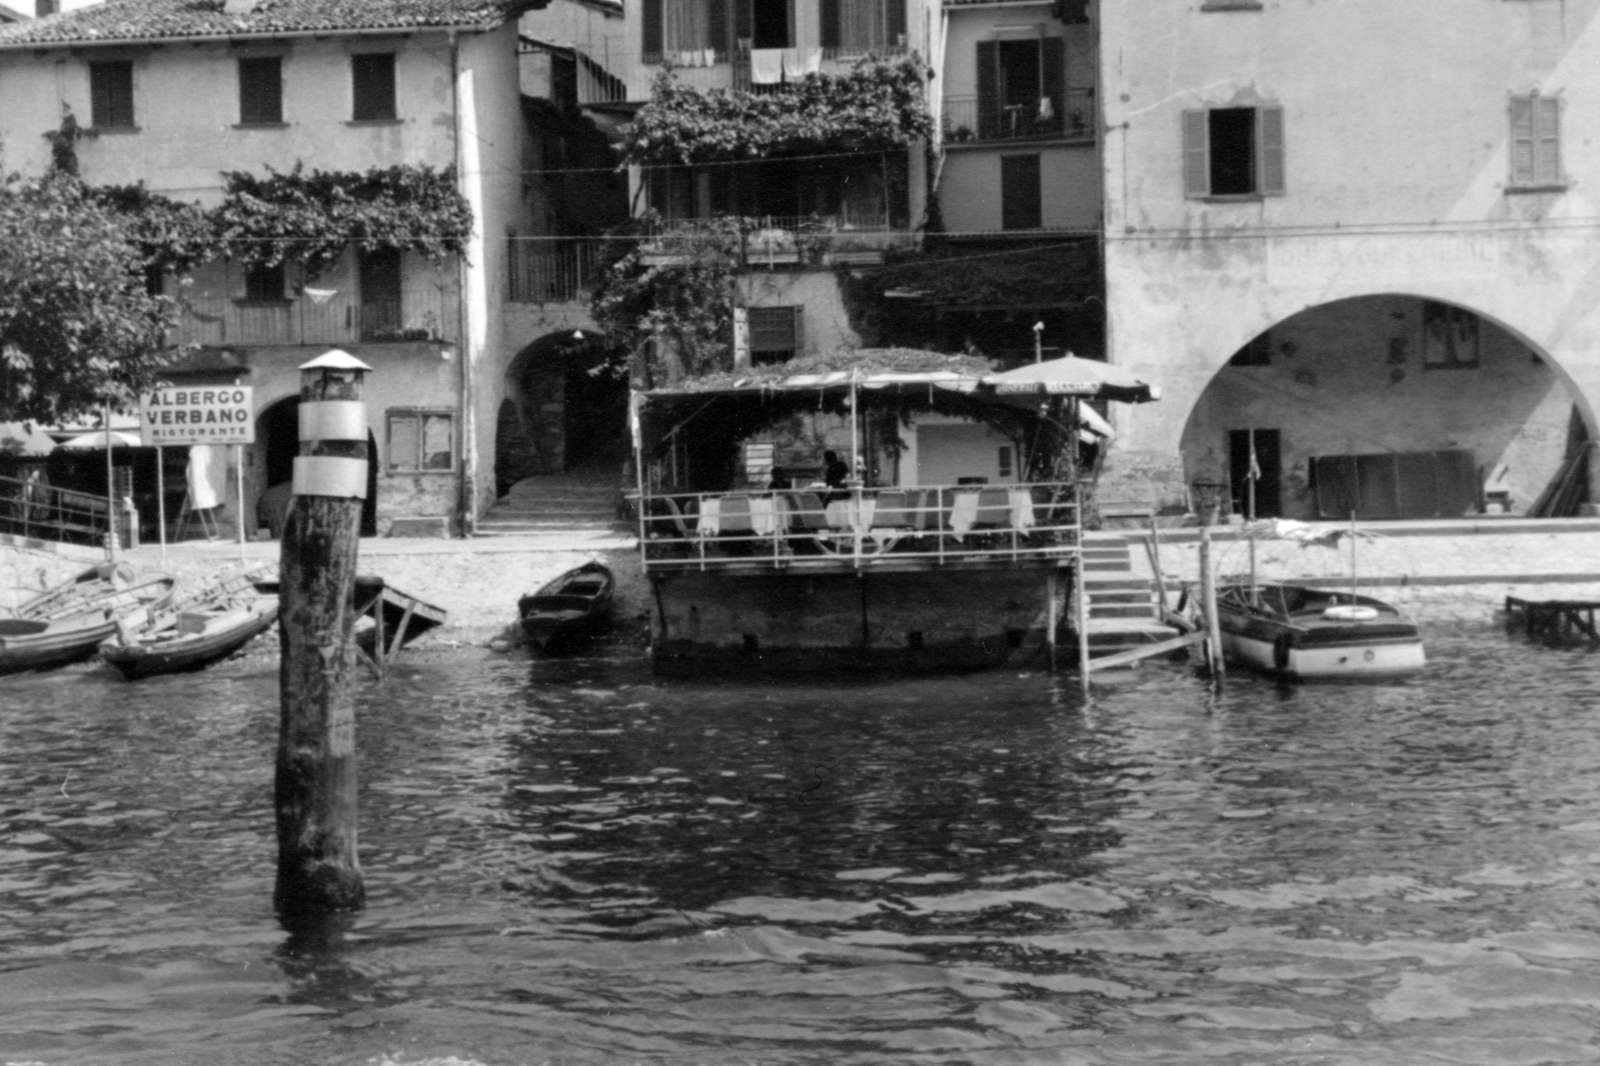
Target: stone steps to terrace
x,y
560,505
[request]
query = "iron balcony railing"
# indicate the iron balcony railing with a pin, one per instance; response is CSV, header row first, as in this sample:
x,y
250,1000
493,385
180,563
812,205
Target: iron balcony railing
x,y
552,269
36,509
314,318
860,528
973,119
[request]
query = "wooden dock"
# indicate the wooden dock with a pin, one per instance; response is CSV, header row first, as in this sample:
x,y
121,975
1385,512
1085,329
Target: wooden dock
x,y
398,618
1560,621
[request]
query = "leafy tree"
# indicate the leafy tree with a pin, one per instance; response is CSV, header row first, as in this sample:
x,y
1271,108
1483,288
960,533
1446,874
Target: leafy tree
x,y
77,327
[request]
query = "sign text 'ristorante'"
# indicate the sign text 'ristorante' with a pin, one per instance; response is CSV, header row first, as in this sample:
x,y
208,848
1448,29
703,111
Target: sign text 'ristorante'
x,y
209,414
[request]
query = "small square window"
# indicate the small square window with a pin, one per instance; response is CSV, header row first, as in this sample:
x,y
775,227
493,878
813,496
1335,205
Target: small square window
x,y
111,94
1449,337
372,80
421,441
260,91
264,284
1536,143
1233,152
775,335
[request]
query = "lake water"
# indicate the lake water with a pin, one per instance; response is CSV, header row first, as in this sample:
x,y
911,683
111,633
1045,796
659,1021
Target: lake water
x,y
574,863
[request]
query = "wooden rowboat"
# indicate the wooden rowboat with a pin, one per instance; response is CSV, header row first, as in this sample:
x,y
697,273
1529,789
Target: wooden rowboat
x,y
568,610
201,628
67,624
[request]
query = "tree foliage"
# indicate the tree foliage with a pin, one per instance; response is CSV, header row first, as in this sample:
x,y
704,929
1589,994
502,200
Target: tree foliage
x,y
875,106
77,327
669,297
312,218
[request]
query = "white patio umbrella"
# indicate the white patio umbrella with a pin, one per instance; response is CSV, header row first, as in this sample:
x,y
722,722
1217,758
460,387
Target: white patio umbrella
x,y
105,438
1072,376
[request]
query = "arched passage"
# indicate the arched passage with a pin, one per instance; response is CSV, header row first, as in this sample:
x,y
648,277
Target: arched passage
x,y
1388,406
565,410
277,443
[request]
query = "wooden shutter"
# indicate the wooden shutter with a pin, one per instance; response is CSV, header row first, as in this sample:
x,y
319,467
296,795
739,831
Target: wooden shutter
x,y
1020,202
1521,148
744,19
651,27
260,91
1269,139
1546,140
111,94
831,37
718,25
372,79
988,88
1196,154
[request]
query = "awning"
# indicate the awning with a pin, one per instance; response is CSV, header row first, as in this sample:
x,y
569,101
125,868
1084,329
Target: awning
x,y
1072,376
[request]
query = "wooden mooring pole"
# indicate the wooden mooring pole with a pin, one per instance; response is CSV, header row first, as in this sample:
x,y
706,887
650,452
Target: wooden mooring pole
x,y
319,873
1208,603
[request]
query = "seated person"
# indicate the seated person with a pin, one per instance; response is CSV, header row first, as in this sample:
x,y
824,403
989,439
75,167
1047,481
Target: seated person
x,y
780,480
834,475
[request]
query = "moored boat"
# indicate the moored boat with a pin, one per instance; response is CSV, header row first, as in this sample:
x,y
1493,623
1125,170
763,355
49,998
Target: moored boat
x,y
199,629
1298,633
67,624
567,610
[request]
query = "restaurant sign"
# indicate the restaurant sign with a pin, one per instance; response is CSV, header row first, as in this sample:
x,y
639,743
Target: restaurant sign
x,y
210,414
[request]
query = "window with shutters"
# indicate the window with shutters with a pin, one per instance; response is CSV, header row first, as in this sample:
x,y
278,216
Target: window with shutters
x,y
775,335
1233,152
111,94
1535,144
857,27
372,84
697,32
1021,89
260,91
1021,204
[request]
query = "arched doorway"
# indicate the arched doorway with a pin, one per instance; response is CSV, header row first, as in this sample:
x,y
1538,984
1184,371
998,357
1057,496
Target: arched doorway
x,y
1385,407
565,410
277,443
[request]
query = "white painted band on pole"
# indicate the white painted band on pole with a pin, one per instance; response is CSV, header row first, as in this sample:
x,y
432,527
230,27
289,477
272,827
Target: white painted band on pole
x,y
330,475
333,420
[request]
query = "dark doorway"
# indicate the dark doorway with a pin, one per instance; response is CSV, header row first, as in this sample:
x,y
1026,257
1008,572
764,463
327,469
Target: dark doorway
x,y
1269,473
770,24
596,426
380,295
278,435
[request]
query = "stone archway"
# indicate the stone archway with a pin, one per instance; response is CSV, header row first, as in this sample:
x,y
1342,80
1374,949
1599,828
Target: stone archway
x,y
565,409
1386,406
277,443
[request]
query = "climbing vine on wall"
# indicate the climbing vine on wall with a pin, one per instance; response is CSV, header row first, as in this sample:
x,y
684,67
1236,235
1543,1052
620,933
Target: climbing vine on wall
x,y
877,105
312,218
666,298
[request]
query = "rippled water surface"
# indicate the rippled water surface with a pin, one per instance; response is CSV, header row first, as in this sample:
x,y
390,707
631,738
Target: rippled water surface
x,y
572,862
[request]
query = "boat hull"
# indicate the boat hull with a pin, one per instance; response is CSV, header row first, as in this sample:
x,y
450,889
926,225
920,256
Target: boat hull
x,y
1306,645
188,652
569,611
52,647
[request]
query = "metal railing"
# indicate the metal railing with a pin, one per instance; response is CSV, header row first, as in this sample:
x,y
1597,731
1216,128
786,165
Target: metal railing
x,y
314,318
36,509
859,528
972,119
552,269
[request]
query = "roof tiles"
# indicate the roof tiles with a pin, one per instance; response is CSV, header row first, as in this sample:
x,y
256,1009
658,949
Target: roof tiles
x,y
136,20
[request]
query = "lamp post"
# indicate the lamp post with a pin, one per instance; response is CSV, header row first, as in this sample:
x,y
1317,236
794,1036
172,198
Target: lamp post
x,y
315,784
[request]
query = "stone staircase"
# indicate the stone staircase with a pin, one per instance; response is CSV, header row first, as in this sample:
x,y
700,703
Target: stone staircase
x,y
575,508
1123,612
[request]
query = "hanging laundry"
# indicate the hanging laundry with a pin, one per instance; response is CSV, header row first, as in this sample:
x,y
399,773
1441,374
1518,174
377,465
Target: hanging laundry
x,y
766,66
207,476
798,62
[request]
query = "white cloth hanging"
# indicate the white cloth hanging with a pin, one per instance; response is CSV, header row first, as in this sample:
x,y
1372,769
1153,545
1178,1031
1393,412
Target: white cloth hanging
x,y
798,62
207,476
766,66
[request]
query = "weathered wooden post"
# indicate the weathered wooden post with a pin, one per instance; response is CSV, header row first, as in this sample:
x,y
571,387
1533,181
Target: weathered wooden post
x,y
1208,503
319,872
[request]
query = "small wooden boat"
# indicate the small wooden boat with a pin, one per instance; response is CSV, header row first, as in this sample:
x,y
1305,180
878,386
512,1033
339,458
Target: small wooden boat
x,y
67,624
198,629
568,610
1298,633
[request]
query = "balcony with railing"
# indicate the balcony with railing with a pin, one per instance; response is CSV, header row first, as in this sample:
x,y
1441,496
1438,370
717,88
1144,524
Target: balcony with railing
x,y
981,120
552,269
315,317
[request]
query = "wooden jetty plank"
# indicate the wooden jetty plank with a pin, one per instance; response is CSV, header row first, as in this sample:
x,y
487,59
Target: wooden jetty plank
x,y
1146,651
